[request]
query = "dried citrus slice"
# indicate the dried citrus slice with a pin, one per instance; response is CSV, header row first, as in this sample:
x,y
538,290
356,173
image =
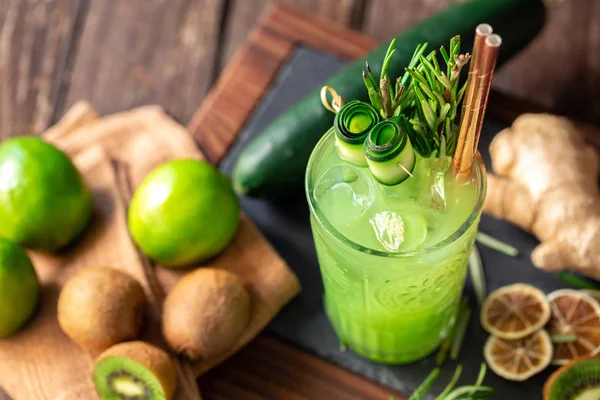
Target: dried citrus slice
x,y
520,359
592,292
515,311
578,314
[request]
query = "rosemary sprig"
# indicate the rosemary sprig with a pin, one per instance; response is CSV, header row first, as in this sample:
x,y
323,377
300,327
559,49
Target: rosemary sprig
x,y
496,244
427,94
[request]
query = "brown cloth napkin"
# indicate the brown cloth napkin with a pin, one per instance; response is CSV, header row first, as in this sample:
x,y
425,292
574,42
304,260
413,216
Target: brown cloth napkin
x,y
114,154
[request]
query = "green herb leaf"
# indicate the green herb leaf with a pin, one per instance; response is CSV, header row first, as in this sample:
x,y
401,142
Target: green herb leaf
x,y
428,113
577,281
451,384
387,59
413,62
425,385
472,391
481,375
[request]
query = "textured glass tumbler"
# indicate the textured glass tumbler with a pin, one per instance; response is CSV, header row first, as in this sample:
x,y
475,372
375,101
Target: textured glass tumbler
x,y
391,307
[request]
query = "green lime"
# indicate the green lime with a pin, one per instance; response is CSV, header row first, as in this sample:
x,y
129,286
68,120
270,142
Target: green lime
x,y
19,288
44,203
184,212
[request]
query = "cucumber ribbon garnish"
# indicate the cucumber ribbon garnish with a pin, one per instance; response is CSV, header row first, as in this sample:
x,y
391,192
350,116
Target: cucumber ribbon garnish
x,y
352,124
389,153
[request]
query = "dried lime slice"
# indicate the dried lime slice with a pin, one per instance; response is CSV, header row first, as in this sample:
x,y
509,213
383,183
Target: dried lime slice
x,y
520,359
515,311
578,314
592,292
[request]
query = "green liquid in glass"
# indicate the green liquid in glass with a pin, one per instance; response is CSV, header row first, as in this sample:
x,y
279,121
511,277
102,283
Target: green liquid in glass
x,y
393,258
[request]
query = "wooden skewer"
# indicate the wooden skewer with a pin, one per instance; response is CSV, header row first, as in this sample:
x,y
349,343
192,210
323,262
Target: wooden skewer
x,y
481,33
484,83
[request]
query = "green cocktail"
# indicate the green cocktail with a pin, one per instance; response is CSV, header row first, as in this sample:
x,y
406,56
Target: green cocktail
x,y
393,261
393,215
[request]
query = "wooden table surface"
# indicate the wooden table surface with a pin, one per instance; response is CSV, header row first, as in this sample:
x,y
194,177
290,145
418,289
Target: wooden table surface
x,y
120,54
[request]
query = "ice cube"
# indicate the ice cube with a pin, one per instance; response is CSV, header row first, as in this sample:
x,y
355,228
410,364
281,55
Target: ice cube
x,y
404,229
437,193
344,193
389,229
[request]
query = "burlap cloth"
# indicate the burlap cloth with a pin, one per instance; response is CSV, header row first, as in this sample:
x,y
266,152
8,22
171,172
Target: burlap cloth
x,y
114,154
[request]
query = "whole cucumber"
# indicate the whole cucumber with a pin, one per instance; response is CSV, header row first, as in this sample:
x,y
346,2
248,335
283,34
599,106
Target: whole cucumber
x,y
273,164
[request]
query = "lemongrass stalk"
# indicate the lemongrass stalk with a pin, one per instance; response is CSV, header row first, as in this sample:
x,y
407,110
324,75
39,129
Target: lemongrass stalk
x,y
444,349
462,323
477,275
495,244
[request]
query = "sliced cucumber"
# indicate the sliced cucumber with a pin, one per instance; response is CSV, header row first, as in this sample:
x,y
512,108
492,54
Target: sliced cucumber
x,y
389,153
353,153
352,124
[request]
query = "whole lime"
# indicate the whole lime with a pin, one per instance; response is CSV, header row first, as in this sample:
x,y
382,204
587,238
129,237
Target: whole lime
x,y
184,212
44,202
19,288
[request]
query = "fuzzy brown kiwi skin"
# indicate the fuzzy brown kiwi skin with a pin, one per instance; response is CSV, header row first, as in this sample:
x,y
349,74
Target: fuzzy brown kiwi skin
x,y
151,357
206,313
560,371
100,307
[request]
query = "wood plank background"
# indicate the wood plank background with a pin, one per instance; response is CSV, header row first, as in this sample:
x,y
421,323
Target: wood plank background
x,y
119,54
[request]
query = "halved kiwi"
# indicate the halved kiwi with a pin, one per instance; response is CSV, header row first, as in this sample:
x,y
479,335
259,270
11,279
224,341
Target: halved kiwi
x,y
578,380
100,307
135,370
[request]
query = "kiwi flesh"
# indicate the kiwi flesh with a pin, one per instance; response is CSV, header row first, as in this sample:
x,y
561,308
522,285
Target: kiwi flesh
x,y
100,307
578,380
206,313
135,371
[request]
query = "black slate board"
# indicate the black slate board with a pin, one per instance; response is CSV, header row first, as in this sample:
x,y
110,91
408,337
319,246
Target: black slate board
x,y
286,225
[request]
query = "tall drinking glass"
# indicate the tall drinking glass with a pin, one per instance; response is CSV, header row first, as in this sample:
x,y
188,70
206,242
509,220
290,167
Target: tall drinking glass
x,y
391,306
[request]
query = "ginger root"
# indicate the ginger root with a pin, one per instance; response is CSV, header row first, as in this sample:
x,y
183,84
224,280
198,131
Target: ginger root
x,y
547,184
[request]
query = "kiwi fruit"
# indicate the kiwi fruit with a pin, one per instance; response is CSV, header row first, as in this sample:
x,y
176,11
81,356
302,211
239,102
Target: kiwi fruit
x,y
206,313
100,307
135,370
579,379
